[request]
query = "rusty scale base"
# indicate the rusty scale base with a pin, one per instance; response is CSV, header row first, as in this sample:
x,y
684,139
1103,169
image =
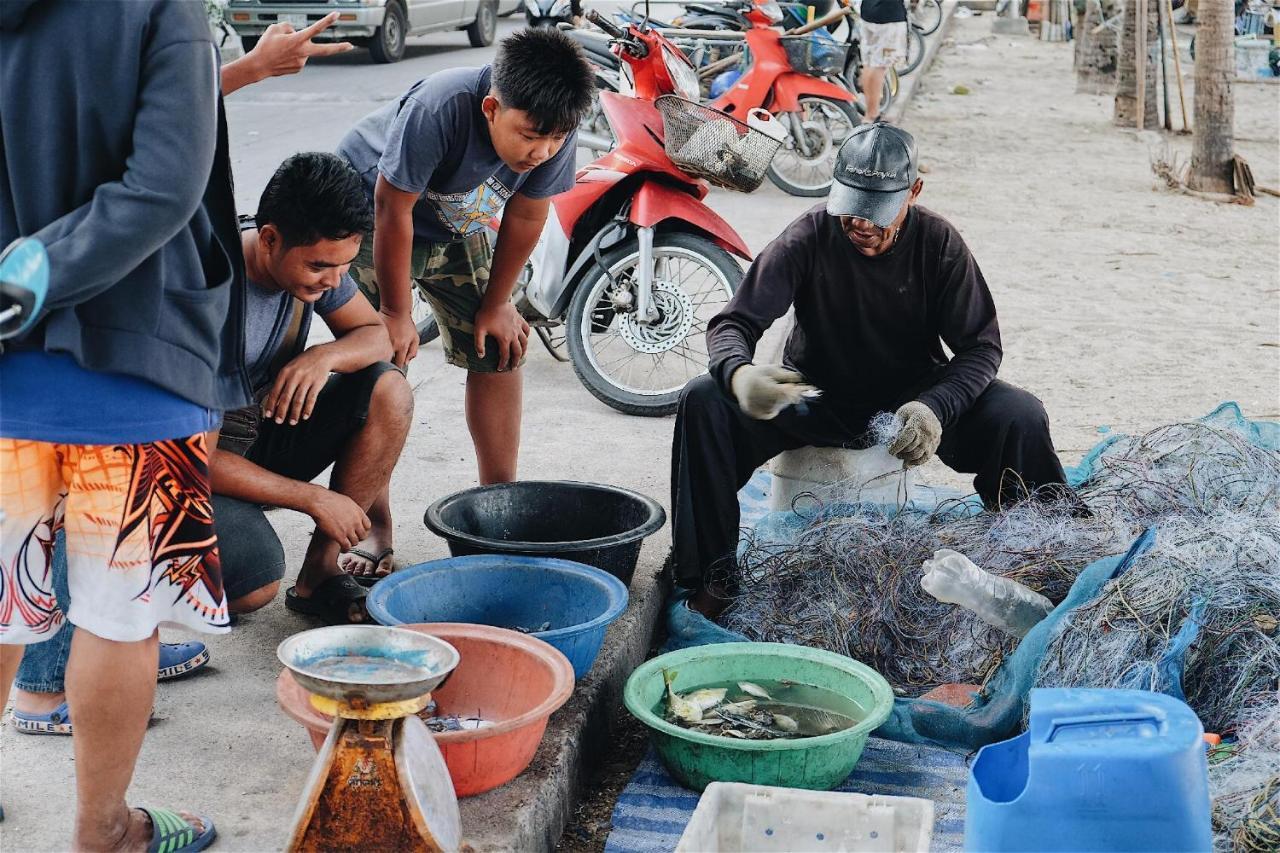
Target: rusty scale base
x,y
379,783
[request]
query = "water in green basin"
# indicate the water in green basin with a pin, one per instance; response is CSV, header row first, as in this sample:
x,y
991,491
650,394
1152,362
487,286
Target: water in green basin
x,y
763,710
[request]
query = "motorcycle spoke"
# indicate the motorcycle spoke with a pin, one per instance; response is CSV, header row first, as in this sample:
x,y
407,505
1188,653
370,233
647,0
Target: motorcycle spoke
x,y
701,303
661,360
646,363
813,172
713,288
623,360
610,339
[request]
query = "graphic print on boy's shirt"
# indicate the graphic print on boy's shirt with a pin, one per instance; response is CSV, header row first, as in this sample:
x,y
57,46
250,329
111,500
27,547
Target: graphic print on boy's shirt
x,y
466,213
434,142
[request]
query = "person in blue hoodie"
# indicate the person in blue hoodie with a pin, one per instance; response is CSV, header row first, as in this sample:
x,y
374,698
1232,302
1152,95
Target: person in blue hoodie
x,y
114,157
40,702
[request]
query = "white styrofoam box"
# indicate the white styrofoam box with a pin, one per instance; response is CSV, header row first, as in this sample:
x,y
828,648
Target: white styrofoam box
x,y
736,818
839,475
1251,57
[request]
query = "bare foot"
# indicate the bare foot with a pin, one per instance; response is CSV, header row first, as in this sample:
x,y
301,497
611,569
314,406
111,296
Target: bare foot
x,y
709,602
377,545
37,703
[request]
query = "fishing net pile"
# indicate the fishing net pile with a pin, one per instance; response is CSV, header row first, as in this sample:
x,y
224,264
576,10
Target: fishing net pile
x,y
1244,782
850,580
850,583
1191,469
1194,616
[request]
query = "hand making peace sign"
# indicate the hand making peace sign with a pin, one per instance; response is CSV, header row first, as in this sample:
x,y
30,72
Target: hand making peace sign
x,y
282,50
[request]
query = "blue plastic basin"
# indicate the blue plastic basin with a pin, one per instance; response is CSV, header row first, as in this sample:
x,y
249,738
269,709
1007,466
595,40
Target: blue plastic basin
x,y
578,601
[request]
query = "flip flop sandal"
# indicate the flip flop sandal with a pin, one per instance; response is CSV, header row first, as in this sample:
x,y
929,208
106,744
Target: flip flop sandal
x,y
330,601
56,722
374,560
170,832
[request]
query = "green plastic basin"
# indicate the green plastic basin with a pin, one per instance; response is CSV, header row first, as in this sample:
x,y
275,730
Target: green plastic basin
x,y
697,759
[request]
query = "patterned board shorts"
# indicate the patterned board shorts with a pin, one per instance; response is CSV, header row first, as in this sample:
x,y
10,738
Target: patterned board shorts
x,y
452,278
883,45
141,547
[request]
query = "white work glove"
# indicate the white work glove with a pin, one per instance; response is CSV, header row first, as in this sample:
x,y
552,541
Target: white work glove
x,y
764,390
920,436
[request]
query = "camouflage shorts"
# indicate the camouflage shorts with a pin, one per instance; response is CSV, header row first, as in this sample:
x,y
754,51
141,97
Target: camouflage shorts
x,y
452,278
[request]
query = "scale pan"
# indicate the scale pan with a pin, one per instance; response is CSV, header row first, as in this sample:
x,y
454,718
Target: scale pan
x,y
368,663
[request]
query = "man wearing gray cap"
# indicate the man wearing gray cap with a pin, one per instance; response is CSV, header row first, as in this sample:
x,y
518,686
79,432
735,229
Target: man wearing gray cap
x,y
879,285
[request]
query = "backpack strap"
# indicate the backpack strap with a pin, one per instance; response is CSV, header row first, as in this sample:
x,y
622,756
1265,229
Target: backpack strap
x,y
292,344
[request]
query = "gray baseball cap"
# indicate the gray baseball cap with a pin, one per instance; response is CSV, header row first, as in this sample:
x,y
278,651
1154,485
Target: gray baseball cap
x,y
875,170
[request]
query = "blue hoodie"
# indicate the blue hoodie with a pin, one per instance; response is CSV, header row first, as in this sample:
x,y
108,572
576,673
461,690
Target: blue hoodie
x,y
113,154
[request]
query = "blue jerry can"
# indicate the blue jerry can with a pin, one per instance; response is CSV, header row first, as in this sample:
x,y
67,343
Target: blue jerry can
x,y
1098,770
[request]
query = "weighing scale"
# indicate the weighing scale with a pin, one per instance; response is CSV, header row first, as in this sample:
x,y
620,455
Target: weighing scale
x,y
379,782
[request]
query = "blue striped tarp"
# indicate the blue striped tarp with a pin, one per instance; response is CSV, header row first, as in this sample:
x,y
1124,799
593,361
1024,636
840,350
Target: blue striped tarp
x,y
653,809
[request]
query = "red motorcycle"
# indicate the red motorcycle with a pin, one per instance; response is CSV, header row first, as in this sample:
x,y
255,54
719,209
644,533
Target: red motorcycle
x,y
785,78
631,262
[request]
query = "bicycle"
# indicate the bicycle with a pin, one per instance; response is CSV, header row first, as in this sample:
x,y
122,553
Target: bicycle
x,y
852,74
925,15
915,47
915,51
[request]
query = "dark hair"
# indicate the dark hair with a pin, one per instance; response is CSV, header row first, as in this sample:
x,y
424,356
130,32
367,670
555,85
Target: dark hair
x,y
315,196
544,73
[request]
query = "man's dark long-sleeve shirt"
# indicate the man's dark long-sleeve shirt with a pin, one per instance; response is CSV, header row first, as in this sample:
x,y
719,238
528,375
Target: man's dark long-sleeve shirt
x,y
869,330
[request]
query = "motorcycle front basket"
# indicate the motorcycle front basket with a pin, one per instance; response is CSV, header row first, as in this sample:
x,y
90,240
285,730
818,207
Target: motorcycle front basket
x,y
811,54
715,146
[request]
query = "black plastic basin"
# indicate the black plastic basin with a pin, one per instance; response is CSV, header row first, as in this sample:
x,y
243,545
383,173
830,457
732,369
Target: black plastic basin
x,y
590,523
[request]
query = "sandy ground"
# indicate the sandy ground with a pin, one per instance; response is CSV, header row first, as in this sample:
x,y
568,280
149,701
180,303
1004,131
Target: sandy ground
x,y
1122,304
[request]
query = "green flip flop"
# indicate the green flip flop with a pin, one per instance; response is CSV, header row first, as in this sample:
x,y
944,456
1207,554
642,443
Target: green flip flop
x,y
170,832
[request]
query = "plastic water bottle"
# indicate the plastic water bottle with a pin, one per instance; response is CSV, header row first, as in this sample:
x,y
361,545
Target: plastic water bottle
x,y
1005,604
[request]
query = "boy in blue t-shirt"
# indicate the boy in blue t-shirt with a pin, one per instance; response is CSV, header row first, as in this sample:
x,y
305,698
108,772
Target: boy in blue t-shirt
x,y
439,164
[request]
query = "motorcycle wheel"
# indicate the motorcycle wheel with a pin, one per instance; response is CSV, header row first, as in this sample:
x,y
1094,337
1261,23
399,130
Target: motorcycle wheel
x,y
640,368
827,123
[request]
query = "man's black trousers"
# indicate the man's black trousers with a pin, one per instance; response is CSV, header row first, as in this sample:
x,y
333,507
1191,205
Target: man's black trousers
x,y
1003,439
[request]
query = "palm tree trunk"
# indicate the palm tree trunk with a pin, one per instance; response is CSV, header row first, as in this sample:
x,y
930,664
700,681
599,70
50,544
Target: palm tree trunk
x,y
1126,106
1211,149
1095,53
